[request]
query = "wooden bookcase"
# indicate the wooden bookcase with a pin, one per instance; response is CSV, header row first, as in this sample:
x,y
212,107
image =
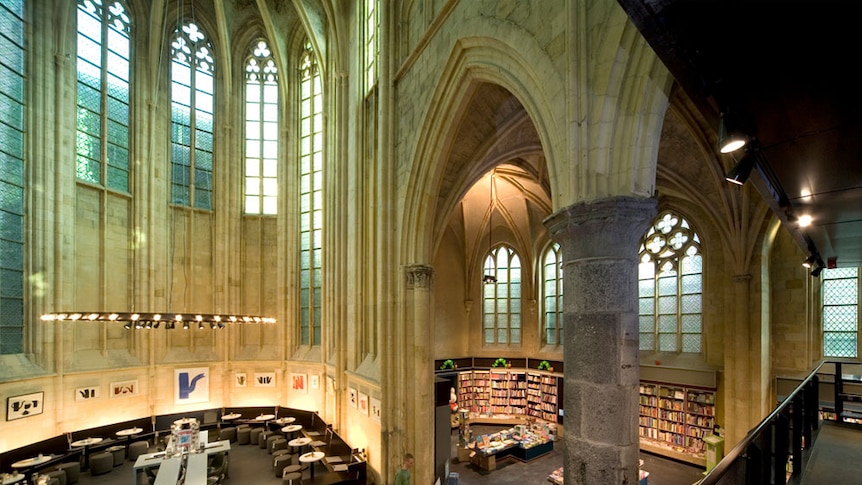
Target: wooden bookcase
x,y
674,420
509,393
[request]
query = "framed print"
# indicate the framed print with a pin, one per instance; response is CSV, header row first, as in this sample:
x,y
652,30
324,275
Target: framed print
x,y
374,408
191,385
124,389
297,383
264,379
25,405
314,382
351,397
239,379
87,393
363,403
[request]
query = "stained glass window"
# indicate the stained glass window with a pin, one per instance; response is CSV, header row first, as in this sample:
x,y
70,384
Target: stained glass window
x,y
501,301
261,132
102,145
552,295
670,287
192,104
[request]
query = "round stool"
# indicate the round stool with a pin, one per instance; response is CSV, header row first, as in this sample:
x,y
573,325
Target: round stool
x,y
72,469
254,437
228,434
292,479
271,440
119,453
243,436
101,463
137,449
262,439
280,463
278,444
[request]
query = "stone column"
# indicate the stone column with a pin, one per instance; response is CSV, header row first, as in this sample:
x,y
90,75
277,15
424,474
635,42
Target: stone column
x,y
419,387
599,244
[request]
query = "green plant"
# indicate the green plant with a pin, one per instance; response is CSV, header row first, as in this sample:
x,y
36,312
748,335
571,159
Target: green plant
x,y
544,365
447,364
501,362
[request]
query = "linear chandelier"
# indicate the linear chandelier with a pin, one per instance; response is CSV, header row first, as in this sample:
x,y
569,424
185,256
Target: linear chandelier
x,y
154,320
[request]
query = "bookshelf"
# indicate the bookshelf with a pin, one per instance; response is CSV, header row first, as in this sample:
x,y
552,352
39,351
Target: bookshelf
x,y
673,420
509,393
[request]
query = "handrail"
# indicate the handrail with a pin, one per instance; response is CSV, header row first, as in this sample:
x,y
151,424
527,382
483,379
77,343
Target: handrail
x,y
740,450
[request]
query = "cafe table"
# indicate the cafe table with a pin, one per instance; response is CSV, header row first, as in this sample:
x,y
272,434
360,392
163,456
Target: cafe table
x,y
231,416
86,443
28,464
128,433
298,443
11,478
290,429
311,458
285,420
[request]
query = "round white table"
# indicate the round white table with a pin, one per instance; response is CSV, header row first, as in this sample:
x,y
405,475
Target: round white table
x,y
129,431
11,478
285,420
299,443
291,428
231,416
311,458
265,417
86,442
29,462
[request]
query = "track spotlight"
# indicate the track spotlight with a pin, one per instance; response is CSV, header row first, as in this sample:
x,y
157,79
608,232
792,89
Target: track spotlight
x,y
809,261
128,325
730,137
185,325
201,326
741,171
817,269
212,326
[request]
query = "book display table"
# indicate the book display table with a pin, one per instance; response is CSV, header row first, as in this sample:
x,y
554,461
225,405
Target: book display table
x,y
520,442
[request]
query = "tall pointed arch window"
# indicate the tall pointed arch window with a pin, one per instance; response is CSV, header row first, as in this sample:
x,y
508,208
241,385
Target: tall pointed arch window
x,y
501,305
840,312
372,24
552,295
670,287
310,196
192,103
12,193
261,131
102,147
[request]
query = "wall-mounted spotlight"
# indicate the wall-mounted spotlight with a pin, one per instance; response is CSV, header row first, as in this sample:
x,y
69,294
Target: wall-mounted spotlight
x,y
742,170
730,136
809,261
818,268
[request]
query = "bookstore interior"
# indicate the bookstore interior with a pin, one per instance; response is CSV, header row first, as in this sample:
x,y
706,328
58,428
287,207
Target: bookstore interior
x,y
676,414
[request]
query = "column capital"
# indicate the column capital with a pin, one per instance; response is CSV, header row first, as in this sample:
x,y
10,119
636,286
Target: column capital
x,y
419,276
605,228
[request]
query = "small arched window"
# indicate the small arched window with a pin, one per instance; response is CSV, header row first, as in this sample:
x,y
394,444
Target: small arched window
x,y
502,299
552,295
670,286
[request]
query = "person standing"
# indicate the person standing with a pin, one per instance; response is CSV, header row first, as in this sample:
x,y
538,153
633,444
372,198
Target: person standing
x,y
403,475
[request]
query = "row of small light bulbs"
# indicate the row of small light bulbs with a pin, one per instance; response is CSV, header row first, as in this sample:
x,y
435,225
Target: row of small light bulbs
x,y
154,320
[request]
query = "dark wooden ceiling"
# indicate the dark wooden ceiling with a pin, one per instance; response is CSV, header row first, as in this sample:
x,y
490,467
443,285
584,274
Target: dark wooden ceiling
x,y
789,70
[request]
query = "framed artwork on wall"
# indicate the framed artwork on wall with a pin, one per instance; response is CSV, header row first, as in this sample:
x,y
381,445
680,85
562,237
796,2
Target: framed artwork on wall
x,y
314,382
351,397
124,389
374,408
240,379
363,403
297,383
87,393
24,405
264,379
191,385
